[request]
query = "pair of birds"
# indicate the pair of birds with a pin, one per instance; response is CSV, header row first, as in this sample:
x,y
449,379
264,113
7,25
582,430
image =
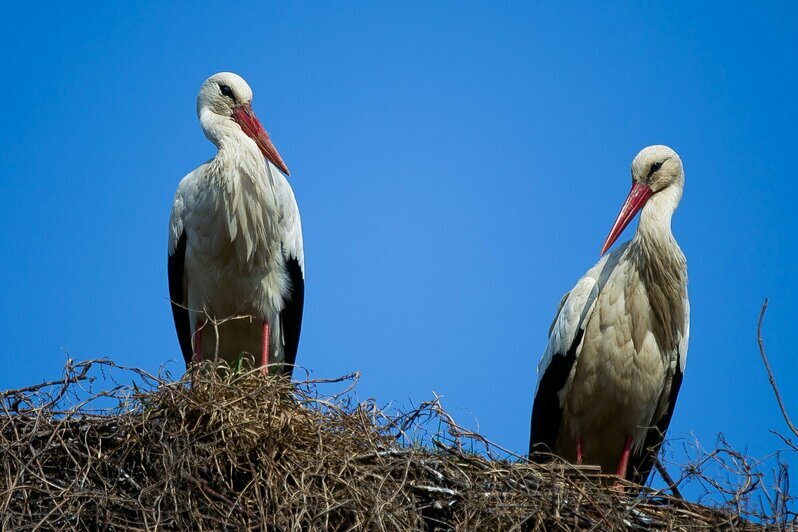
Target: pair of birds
x,y
608,379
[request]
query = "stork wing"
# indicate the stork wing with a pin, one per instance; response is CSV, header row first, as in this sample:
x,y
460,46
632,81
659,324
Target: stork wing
x,y
177,296
642,463
291,315
178,291
290,229
565,340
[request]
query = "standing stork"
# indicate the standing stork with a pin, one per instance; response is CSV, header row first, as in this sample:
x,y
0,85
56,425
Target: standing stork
x,y
608,380
236,262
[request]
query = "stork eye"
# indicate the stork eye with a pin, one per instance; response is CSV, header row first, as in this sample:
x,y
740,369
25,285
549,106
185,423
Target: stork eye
x,y
654,167
227,91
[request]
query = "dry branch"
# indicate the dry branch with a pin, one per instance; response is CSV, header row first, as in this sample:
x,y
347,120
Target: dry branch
x,y
772,379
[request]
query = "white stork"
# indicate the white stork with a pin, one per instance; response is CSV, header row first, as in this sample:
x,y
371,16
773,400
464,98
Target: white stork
x,y
608,380
236,262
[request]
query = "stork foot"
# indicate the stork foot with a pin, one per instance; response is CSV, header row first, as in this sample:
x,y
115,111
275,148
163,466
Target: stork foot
x,y
579,451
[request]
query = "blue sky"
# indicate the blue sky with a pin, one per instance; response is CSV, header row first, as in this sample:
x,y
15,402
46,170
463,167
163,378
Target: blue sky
x,y
457,166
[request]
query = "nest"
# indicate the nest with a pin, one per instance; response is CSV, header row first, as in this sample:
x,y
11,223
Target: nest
x,y
241,451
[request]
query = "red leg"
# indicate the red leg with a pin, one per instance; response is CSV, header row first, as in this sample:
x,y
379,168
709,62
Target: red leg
x,y
264,359
198,343
579,450
624,463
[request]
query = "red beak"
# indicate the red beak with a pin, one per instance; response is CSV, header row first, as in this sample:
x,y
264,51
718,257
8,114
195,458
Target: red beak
x,y
245,117
637,197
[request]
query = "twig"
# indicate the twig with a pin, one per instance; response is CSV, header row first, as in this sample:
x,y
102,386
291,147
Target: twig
x,y
770,372
672,486
209,491
435,489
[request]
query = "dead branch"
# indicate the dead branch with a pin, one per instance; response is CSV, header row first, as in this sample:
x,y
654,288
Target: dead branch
x,y
772,379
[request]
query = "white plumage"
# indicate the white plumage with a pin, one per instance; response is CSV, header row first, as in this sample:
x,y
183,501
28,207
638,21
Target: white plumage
x,y
236,260
608,379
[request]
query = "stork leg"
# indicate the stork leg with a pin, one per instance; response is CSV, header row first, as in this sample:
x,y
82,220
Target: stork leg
x,y
198,343
624,463
264,359
579,450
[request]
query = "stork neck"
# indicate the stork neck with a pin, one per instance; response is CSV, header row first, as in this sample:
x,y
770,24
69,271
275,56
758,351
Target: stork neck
x,y
655,218
662,267
222,131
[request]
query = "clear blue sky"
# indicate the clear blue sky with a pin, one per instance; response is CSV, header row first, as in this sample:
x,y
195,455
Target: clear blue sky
x,y
457,166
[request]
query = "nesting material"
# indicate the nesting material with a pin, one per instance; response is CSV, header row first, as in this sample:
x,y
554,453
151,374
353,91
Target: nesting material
x,y
118,449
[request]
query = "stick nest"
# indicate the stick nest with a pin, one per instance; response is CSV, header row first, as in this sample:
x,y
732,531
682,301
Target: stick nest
x,y
114,448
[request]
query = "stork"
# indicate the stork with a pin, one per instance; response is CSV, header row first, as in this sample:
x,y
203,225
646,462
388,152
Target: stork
x,y
236,260
610,374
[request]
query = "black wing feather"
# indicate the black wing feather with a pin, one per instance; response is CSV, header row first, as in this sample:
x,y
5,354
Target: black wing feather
x,y
641,464
175,268
546,411
291,315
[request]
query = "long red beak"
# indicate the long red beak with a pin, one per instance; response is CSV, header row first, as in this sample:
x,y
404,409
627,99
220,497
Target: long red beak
x,y
245,117
634,202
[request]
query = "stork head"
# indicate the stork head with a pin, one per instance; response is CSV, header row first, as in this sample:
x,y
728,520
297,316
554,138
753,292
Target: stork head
x,y
655,169
224,103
